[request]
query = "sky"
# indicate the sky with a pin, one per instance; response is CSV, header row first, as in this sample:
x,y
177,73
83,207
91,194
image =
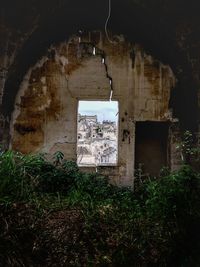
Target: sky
x,y
105,110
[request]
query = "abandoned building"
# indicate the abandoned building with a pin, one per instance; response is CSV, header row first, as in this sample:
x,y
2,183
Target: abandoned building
x,y
53,56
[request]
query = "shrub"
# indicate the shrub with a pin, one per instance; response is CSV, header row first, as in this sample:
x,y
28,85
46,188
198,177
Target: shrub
x,y
158,225
21,176
18,175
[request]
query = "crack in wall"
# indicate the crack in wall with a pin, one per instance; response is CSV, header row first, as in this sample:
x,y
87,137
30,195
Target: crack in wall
x,y
65,142
84,49
87,48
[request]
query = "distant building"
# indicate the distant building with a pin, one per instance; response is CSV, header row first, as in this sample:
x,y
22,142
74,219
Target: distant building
x,y
97,142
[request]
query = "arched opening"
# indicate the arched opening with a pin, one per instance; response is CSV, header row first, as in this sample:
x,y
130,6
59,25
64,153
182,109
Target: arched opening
x,y
91,68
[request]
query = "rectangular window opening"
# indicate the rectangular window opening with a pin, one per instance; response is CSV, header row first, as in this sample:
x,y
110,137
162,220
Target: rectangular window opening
x,y
97,133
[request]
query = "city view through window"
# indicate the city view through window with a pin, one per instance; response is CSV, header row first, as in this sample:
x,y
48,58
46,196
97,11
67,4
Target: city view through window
x,y
97,133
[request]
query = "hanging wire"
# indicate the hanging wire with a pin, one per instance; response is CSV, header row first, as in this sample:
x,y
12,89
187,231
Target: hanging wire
x,y
107,20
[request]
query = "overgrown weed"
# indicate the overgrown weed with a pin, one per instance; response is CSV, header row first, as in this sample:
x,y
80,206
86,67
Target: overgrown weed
x,y
158,225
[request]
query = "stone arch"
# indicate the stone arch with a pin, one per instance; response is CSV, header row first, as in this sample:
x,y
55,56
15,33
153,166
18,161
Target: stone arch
x,y
90,68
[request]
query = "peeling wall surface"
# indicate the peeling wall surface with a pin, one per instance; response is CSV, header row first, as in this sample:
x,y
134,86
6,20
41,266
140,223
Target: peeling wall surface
x,y
90,68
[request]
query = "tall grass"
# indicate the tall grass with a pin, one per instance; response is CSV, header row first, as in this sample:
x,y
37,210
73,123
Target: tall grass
x,y
158,225
16,175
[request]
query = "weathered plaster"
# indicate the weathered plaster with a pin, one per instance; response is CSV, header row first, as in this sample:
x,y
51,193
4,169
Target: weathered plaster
x,y
45,116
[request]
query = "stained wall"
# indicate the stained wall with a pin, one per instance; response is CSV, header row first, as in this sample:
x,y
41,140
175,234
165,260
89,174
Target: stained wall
x,y
89,68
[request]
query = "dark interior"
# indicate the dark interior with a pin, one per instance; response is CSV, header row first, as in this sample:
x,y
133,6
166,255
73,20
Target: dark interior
x,y
151,147
168,30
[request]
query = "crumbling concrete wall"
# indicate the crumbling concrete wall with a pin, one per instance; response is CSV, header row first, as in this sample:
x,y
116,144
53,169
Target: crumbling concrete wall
x,y
90,68
7,52
11,41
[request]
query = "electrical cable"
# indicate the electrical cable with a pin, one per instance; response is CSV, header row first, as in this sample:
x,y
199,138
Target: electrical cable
x,y
107,20
112,42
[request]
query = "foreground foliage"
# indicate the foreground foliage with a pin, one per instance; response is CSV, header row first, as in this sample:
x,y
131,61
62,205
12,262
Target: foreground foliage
x,y
51,214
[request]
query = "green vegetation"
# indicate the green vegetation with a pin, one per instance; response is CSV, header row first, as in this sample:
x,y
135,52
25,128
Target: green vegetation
x,y
51,214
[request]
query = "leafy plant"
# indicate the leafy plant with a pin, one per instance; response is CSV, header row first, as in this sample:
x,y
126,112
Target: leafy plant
x,y
188,149
58,157
78,219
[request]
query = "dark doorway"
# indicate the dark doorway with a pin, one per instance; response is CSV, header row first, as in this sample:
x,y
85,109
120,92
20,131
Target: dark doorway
x,y
151,146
